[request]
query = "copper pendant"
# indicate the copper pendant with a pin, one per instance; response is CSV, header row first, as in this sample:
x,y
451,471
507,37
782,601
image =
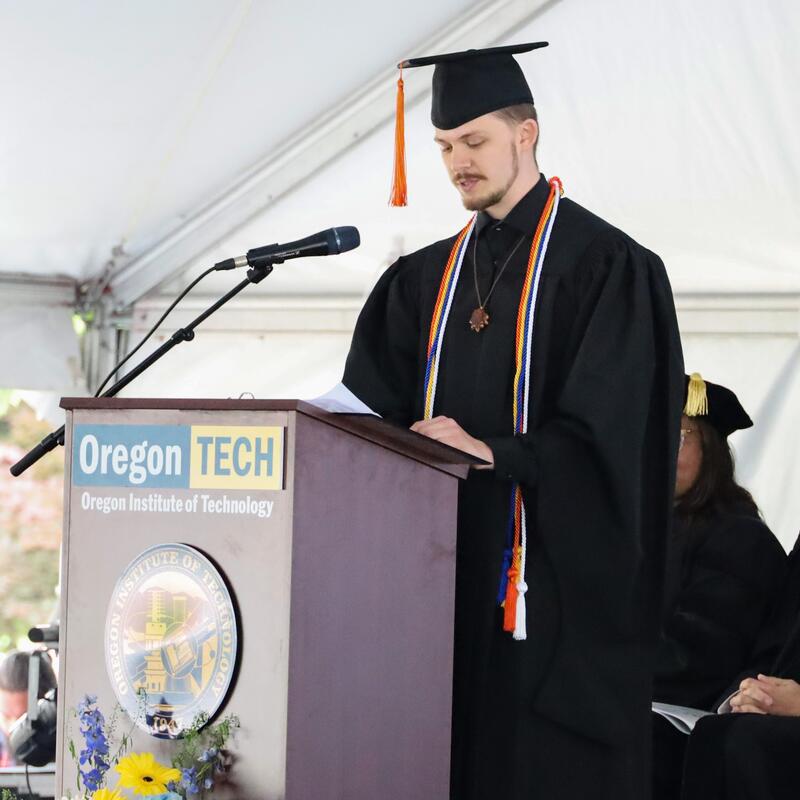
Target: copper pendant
x,y
479,319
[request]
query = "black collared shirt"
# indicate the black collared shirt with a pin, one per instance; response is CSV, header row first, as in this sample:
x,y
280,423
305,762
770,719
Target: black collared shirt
x,y
497,238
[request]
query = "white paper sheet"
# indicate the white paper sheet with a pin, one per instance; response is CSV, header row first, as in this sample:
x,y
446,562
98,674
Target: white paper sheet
x,y
682,717
340,400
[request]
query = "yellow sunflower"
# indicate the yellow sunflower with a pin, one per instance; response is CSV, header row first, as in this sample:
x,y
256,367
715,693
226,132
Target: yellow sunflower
x,y
107,794
142,773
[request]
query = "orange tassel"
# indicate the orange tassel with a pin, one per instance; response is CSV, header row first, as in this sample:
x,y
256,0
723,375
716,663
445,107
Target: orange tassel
x,y
510,605
399,194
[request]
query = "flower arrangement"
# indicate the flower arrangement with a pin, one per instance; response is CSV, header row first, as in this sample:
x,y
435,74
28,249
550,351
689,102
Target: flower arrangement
x,y
201,754
200,758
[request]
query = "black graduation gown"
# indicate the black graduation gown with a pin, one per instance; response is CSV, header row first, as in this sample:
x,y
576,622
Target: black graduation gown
x,y
750,756
721,577
565,713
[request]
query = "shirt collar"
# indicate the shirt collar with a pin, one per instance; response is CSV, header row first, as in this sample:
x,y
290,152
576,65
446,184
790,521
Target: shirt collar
x,y
525,214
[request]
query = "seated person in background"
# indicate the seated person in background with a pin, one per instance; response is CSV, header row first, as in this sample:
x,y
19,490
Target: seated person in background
x,y
14,693
723,564
750,753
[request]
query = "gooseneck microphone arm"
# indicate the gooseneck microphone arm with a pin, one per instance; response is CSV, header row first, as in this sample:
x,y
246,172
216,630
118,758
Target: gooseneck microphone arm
x,y
186,334
261,261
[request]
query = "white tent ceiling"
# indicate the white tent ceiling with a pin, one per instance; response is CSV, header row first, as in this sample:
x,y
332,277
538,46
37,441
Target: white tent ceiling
x,y
675,120
124,118
196,129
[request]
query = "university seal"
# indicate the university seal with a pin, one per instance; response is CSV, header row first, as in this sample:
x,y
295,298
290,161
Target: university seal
x,y
170,639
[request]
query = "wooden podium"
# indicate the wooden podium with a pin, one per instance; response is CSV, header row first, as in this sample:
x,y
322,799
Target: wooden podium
x,y
340,564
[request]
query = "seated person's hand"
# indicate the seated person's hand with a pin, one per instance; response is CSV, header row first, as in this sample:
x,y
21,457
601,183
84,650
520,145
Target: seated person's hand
x,y
767,695
751,698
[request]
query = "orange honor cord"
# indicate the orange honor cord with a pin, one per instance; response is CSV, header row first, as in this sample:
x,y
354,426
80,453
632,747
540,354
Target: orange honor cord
x,y
512,589
441,311
399,193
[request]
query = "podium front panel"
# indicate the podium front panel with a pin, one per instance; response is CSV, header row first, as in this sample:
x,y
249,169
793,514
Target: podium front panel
x,y
342,578
372,622
253,554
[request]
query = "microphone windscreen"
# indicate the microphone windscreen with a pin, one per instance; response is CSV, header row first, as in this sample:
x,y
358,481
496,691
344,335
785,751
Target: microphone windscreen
x,y
347,238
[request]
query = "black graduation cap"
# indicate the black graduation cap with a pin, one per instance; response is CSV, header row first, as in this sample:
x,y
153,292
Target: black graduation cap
x,y
466,85
717,404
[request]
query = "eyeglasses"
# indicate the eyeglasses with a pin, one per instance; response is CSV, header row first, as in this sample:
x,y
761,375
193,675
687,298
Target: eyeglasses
x,y
684,433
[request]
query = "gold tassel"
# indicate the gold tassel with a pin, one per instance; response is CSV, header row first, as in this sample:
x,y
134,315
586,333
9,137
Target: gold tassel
x,y
399,193
696,397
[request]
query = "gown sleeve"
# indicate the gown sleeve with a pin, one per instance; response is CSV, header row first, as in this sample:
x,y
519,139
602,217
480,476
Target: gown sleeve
x,y
382,365
606,457
624,343
604,478
727,584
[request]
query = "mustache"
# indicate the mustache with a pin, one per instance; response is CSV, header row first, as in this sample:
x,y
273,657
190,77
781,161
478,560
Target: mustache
x,y
466,176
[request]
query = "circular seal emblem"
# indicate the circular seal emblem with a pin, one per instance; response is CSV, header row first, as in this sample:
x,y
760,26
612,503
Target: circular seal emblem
x,y
170,639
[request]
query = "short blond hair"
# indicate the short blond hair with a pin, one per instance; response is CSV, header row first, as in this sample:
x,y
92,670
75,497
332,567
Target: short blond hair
x,y
513,115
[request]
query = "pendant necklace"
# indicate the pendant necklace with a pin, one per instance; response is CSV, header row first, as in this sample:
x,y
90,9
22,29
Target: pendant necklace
x,y
479,318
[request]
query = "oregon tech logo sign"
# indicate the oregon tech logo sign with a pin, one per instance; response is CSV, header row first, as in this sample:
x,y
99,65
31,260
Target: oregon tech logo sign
x,y
170,639
178,456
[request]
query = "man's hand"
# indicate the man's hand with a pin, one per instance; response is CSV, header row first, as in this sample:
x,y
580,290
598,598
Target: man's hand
x,y
448,431
767,695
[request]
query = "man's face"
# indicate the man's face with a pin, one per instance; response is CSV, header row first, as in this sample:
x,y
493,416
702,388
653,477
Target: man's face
x,y
482,160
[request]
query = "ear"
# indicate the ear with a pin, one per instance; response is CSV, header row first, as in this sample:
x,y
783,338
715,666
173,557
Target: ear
x,y
528,133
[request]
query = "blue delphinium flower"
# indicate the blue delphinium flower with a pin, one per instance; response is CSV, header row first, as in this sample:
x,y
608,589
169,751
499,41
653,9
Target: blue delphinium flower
x,y
96,740
189,780
208,755
95,753
92,779
88,700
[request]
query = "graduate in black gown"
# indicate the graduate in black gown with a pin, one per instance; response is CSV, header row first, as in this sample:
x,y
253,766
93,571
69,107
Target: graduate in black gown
x,y
723,566
749,751
564,712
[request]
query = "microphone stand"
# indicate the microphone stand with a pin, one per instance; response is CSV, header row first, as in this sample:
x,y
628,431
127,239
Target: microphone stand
x,y
52,440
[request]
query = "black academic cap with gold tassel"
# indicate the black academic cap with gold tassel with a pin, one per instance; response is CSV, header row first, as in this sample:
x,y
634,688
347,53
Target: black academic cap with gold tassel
x,y
717,404
466,86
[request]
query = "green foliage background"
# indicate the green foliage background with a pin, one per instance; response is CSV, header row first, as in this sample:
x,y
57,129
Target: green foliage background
x,y
30,525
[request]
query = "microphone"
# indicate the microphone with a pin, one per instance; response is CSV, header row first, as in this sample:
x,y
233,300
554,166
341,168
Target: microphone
x,y
325,243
